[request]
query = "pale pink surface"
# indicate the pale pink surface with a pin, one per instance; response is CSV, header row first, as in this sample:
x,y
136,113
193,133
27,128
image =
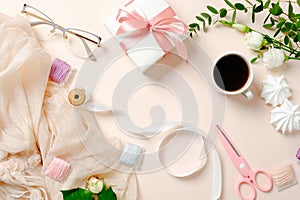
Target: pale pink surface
x,y
246,121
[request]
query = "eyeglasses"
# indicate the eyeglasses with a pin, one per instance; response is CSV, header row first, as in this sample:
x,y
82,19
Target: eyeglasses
x,y
79,42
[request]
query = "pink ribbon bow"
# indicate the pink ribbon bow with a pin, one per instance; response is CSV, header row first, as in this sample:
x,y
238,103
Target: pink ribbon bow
x,y
164,27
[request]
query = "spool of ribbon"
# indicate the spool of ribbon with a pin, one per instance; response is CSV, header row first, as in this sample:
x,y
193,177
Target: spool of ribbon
x,y
60,71
132,155
164,27
58,169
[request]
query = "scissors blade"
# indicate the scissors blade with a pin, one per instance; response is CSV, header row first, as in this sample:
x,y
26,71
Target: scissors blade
x,y
235,156
226,142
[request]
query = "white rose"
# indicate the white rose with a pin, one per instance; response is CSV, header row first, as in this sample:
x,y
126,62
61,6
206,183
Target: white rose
x,y
273,58
254,40
95,185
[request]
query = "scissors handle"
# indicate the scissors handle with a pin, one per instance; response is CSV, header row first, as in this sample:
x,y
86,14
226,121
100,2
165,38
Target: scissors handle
x,y
251,181
245,181
267,186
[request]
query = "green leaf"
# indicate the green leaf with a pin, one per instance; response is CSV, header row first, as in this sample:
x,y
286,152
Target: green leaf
x,y
223,12
277,32
298,2
294,27
200,18
298,24
268,16
296,16
268,26
229,3
273,20
212,9
290,10
78,194
288,25
292,34
204,26
253,14
286,40
267,4
239,6
205,15
193,25
209,19
284,30
233,16
259,9
276,9
108,194
296,39
298,36
280,24
253,60
281,19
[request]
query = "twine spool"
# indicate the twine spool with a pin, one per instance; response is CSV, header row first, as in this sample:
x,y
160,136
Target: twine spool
x,y
60,71
78,96
284,177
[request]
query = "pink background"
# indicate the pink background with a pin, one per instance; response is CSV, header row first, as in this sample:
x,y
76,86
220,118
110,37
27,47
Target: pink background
x,y
246,121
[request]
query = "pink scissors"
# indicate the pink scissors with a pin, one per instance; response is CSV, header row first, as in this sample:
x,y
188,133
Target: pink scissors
x,y
248,175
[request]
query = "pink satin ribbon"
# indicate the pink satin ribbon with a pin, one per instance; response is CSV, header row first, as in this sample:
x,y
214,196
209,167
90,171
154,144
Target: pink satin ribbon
x,y
164,27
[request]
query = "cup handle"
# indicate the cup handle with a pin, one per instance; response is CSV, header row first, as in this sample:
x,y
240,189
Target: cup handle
x,y
248,94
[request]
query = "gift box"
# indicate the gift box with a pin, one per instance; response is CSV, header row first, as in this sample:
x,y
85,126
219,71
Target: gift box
x,y
147,30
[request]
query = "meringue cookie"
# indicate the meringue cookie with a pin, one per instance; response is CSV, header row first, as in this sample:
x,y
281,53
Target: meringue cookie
x,y
275,90
286,117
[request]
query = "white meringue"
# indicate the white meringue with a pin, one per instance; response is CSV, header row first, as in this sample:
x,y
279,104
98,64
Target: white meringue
x,y
286,117
275,90
273,58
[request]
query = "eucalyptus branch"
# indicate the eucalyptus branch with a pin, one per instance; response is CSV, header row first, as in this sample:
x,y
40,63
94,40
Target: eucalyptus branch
x,y
284,23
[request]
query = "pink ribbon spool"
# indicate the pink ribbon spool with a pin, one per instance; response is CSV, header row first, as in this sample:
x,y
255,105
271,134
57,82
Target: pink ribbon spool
x,y
60,71
58,169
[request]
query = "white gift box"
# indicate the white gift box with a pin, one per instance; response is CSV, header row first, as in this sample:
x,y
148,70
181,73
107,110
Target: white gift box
x,y
146,52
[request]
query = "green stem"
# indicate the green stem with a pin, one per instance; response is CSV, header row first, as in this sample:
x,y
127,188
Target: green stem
x,y
281,45
287,1
293,58
249,2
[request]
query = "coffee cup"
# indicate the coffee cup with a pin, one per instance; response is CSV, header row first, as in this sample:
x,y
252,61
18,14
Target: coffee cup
x,y
232,74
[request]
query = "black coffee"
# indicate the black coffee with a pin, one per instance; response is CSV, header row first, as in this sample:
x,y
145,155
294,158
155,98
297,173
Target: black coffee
x,y
231,72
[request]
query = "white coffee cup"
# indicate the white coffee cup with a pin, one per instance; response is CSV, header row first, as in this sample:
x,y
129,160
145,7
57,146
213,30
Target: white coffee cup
x,y
233,74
